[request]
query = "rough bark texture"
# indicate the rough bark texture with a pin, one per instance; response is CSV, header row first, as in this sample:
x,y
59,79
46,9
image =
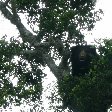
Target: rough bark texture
x,y
27,36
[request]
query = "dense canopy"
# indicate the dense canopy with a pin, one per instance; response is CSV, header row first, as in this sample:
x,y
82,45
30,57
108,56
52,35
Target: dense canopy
x,y
55,25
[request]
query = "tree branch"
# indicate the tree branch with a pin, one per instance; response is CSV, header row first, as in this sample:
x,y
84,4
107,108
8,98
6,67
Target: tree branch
x,y
27,36
53,67
49,61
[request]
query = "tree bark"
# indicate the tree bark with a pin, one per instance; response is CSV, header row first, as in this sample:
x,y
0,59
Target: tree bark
x,y
27,36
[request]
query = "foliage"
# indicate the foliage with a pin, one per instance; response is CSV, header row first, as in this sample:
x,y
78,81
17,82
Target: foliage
x,y
92,92
56,24
56,17
13,67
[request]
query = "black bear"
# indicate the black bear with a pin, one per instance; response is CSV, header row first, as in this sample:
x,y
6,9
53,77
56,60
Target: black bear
x,y
81,57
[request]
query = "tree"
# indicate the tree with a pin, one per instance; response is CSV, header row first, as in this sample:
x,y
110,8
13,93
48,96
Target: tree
x,y
56,24
92,93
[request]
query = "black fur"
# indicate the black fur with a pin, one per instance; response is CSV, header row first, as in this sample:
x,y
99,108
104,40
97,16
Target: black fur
x,y
81,57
